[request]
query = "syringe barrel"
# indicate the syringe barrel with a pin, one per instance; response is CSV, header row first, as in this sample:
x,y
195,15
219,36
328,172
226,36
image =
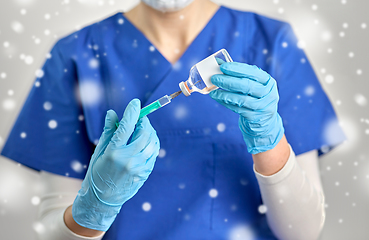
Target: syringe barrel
x,y
164,100
153,106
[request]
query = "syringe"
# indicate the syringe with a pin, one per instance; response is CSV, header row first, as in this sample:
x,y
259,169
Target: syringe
x,y
161,102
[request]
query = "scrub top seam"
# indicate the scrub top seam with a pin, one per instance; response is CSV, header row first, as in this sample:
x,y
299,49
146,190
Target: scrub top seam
x,y
104,69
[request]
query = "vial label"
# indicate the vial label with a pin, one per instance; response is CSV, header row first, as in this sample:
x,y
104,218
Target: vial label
x,y
207,68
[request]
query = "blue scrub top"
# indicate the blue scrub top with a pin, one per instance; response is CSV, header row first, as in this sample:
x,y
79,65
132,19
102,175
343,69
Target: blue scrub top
x,y
105,65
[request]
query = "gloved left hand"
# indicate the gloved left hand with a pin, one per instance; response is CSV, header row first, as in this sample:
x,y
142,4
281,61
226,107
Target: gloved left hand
x,y
253,94
118,168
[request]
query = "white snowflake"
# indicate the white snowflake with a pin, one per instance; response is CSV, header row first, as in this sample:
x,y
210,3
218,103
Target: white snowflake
x,y
91,92
329,79
360,100
262,209
180,112
23,135
35,200
28,60
39,73
134,44
17,27
244,182
301,44
53,124
213,193
309,91
241,232
93,63
146,206
162,153
221,127
76,166
39,227
47,106
8,104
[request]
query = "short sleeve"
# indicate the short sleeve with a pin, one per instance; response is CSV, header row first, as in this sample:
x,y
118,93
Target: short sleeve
x,y
50,133
309,119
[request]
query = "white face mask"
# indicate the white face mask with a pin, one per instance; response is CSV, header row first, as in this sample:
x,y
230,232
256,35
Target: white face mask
x,y
167,5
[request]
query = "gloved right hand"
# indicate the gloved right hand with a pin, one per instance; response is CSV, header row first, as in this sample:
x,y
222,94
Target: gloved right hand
x,y
118,168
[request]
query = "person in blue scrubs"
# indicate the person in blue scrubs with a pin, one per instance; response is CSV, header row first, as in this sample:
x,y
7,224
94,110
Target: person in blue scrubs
x,y
203,183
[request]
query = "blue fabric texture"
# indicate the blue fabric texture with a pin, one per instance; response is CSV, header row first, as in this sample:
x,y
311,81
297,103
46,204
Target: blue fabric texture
x,y
202,185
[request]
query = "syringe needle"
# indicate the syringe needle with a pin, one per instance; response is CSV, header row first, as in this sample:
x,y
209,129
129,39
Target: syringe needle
x,y
176,94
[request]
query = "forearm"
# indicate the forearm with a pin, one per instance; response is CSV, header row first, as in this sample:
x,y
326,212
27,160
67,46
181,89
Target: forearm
x,y
78,229
52,226
295,208
272,161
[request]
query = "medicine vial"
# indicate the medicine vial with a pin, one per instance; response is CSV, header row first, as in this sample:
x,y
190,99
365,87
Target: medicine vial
x,y
200,74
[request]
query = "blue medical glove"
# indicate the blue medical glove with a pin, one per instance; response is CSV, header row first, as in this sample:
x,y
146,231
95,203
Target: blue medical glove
x,y
253,94
118,168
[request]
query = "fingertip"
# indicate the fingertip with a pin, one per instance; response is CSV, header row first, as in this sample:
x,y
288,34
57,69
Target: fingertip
x,y
136,103
111,115
213,94
214,79
225,66
111,119
220,61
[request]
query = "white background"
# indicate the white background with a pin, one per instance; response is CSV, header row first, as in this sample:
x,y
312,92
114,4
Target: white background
x,y
335,36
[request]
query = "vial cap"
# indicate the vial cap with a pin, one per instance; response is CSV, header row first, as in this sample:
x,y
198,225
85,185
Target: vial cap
x,y
184,89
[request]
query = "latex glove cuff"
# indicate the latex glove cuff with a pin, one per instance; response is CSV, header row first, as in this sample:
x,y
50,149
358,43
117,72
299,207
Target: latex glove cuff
x,y
87,211
258,142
